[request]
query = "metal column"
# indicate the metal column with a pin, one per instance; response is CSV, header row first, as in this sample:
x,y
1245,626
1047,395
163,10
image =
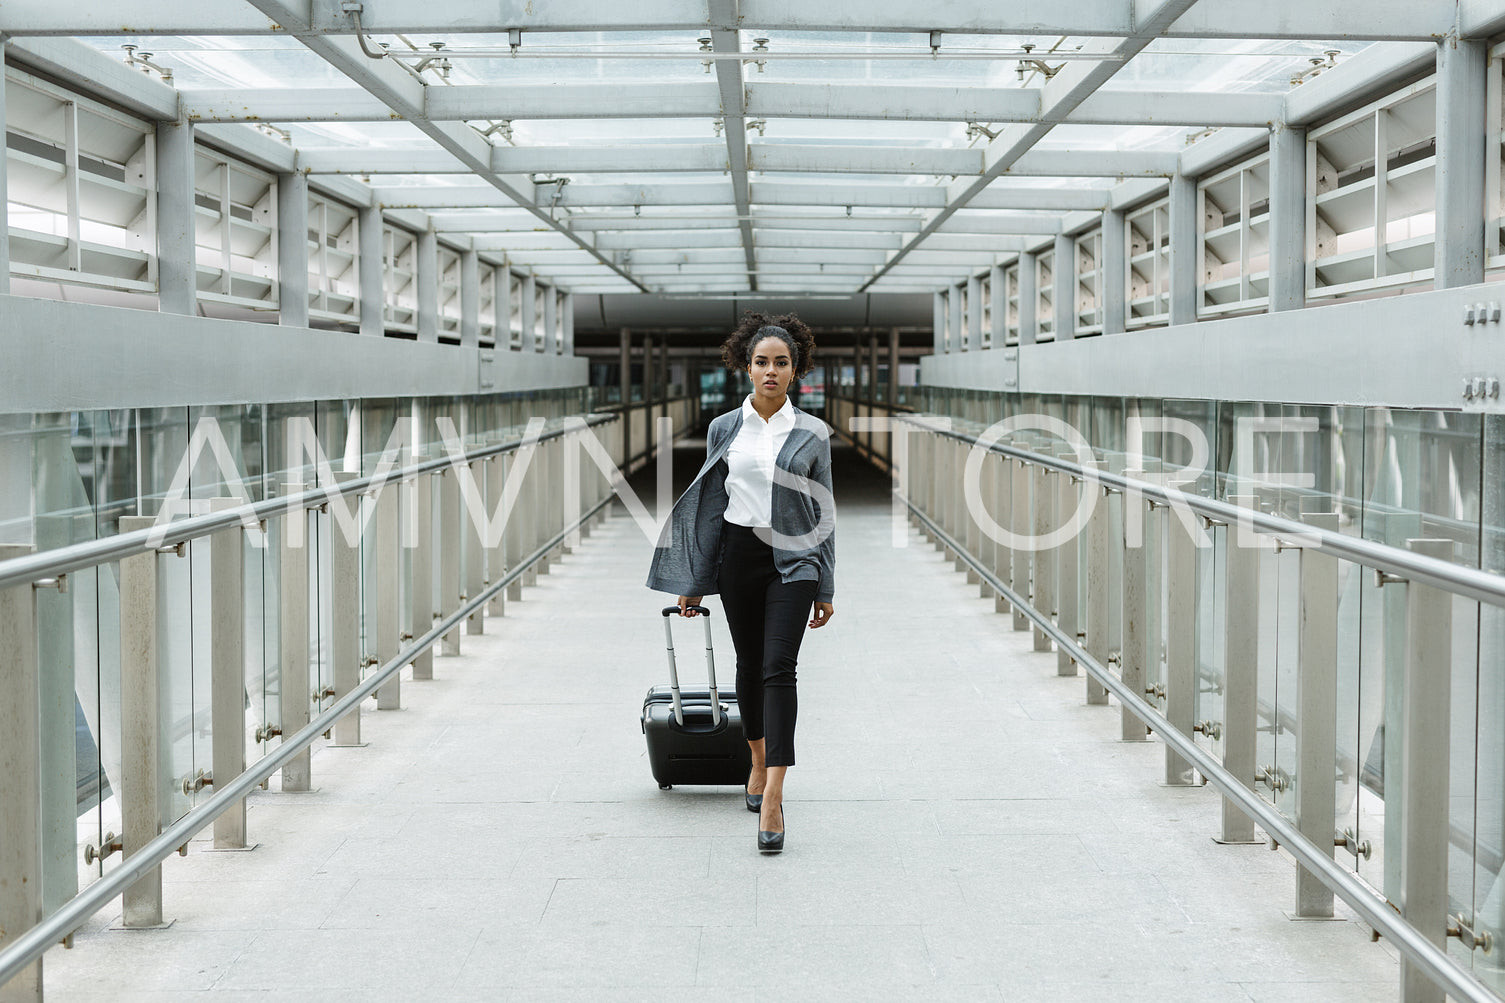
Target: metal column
x,y
1288,218
938,321
1043,503
996,470
957,323
1240,671
1424,795
530,314
567,323
1134,654
1029,298
292,249
369,275
143,779
427,281
421,565
1063,288
974,314
496,556
470,299
1098,588
550,321
475,555
1181,637
1317,712
1183,247
227,671
514,529
388,627
4,182
1461,154
292,563
449,520
344,624
872,362
893,365
1112,273
1068,616
20,789
177,265
1020,523
998,306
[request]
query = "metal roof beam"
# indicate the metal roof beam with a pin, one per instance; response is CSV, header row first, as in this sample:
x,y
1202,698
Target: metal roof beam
x,y
725,38
1002,222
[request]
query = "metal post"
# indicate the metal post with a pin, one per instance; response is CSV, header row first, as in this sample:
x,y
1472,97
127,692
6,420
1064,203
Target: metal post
x,y
344,624
470,299
501,299
1425,736
957,322
1134,654
227,697
1240,671
293,644
1181,638
1112,273
449,554
624,383
475,556
388,625
421,564
1098,589
543,511
974,314
177,265
938,321
1317,712
1288,217
971,534
370,276
1461,155
987,546
427,281
142,777
1183,247
567,319
956,503
999,306
1063,288
998,472
20,788
1029,298
1068,618
530,314
496,557
1019,511
893,365
532,517
514,533
550,321
292,249
4,181
1043,503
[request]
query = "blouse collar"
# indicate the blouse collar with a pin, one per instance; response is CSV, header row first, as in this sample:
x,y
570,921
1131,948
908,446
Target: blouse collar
x,y
783,416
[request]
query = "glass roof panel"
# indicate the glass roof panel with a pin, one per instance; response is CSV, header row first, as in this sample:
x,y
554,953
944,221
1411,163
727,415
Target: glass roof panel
x,y
1265,65
219,61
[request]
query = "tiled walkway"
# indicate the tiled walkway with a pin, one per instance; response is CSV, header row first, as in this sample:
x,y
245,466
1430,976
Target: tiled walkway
x,y
960,827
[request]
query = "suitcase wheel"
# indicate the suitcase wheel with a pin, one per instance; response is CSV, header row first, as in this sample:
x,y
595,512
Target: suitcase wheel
x,y
666,787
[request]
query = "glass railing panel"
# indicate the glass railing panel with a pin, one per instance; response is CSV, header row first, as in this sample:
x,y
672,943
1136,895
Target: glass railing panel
x,y
1489,857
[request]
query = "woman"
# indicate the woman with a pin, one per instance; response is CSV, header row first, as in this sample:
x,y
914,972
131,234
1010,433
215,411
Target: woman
x,y
756,526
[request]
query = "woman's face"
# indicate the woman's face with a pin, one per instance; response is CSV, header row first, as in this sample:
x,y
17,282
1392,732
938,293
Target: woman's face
x,y
771,368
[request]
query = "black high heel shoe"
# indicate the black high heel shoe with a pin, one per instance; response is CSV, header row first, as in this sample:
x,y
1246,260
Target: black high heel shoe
x,y
754,801
772,842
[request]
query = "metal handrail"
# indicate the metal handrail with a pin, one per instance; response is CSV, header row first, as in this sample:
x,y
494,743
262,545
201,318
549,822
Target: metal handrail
x,y
1372,907
1474,583
35,942
90,553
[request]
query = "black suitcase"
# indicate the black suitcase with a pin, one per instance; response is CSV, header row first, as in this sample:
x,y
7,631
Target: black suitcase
x,y
694,735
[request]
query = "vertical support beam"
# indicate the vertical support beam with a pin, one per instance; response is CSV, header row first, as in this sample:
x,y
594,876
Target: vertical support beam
x,y
1461,131
292,563
516,532
475,556
371,271
292,249
388,572
1043,504
550,321
858,375
1098,588
470,299
998,471
624,384
1183,246
177,281
893,365
1288,217
1112,275
1063,287
227,670
1020,522
1240,670
530,318
872,364
142,777
1134,654
999,306
496,557
1029,298
567,320
1181,637
1068,617
974,314
501,298
1425,735
427,280
344,626
939,313
421,564
4,182
20,789
956,325
449,553
1316,712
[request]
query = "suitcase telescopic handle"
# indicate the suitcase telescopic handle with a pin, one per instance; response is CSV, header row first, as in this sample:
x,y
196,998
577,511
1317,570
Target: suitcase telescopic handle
x,y
710,666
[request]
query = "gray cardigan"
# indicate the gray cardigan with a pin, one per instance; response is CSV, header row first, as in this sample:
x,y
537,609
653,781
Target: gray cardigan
x,y
687,558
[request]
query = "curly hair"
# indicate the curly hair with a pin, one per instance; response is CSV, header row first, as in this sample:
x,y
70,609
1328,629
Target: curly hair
x,y
736,350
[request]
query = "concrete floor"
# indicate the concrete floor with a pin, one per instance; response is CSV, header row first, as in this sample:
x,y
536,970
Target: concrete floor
x,y
960,827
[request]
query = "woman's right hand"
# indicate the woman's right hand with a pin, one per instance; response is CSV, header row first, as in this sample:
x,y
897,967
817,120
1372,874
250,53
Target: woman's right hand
x,y
687,601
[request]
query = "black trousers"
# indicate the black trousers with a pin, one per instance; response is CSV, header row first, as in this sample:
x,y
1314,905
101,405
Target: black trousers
x,y
767,618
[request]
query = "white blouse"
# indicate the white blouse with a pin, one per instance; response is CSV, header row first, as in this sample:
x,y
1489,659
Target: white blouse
x,y
750,461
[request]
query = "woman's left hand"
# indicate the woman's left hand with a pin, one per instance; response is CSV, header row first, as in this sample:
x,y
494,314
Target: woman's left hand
x,y
823,613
